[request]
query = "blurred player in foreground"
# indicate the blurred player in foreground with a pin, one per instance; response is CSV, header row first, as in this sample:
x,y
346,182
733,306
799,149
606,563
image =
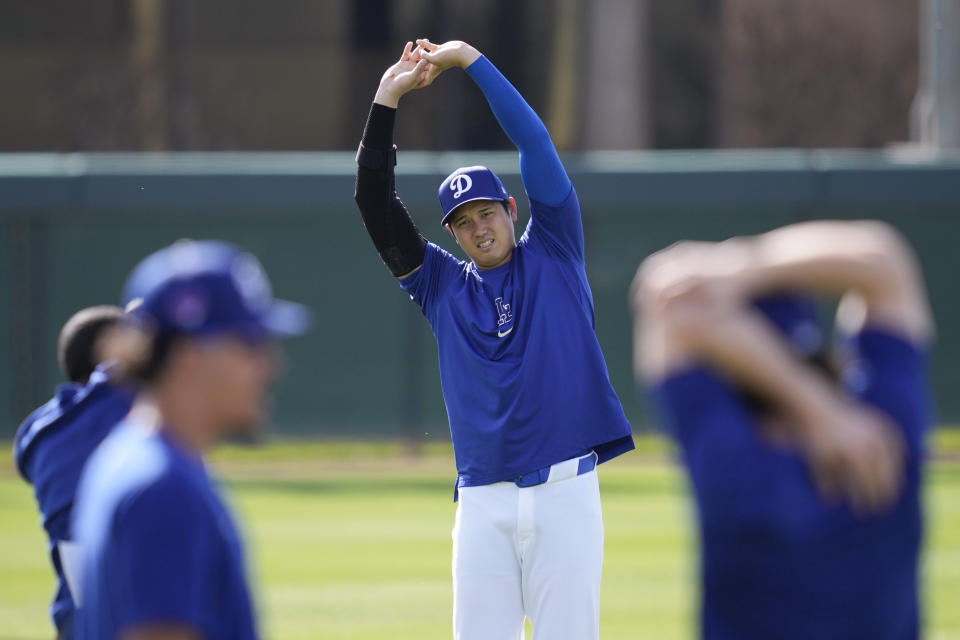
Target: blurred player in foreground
x,y
530,404
807,484
53,443
162,556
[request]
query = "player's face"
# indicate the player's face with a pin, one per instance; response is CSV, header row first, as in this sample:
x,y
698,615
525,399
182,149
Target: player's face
x,y
484,229
238,374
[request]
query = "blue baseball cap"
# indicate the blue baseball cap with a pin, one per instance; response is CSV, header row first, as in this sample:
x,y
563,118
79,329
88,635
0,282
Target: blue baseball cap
x,y
206,288
796,317
467,184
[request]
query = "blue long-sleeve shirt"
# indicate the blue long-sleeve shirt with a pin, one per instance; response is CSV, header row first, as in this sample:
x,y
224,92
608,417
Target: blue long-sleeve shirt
x,y
544,177
50,449
523,376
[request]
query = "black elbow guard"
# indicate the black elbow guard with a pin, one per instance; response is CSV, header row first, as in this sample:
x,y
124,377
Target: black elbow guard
x,y
397,239
401,260
377,159
393,232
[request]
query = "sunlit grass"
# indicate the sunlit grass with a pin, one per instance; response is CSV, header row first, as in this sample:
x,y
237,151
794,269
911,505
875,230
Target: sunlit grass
x,y
352,540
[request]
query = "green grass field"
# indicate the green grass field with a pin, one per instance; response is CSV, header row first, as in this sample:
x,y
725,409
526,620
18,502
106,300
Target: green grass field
x,y
352,541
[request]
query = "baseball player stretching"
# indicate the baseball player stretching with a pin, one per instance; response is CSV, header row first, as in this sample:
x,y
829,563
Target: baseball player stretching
x,y
808,483
53,443
529,400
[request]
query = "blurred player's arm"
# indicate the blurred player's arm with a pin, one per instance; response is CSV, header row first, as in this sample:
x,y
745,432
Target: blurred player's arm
x,y
690,307
867,262
394,234
543,174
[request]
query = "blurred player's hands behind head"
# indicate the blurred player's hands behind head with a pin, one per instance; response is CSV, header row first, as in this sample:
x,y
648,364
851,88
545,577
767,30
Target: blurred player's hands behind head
x,y
711,272
693,301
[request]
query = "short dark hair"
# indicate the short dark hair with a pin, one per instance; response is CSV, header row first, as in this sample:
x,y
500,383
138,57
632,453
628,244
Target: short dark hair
x,y
76,347
137,353
154,358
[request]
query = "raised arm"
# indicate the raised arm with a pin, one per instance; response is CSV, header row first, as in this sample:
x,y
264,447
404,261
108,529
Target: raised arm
x,y
393,232
691,304
543,174
867,262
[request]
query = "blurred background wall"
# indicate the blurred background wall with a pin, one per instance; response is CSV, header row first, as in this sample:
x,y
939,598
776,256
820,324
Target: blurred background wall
x,y
299,74
73,225
249,112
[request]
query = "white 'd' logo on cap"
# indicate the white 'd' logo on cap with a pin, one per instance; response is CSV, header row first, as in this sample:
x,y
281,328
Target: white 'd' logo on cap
x,y
461,184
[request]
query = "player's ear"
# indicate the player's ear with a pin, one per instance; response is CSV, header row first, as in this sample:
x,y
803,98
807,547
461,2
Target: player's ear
x,y
450,229
512,208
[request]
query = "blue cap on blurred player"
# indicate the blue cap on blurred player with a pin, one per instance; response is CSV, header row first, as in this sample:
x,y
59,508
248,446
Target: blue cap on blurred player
x,y
797,319
205,288
467,184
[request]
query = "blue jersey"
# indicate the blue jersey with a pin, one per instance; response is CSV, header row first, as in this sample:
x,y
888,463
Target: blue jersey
x,y
158,544
523,377
50,449
778,562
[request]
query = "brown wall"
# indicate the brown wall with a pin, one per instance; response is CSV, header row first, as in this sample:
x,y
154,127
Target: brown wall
x,y
299,74
816,73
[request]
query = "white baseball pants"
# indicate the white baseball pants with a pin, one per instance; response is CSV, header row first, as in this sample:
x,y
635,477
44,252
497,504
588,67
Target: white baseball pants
x,y
534,552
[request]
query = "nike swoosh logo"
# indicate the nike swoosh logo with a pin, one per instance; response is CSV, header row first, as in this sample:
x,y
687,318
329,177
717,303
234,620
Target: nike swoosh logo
x,y
500,335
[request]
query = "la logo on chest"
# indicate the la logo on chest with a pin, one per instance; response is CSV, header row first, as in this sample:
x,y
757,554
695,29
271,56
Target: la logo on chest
x,y
504,317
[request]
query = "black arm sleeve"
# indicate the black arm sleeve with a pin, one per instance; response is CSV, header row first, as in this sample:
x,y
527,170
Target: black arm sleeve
x,y
390,227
